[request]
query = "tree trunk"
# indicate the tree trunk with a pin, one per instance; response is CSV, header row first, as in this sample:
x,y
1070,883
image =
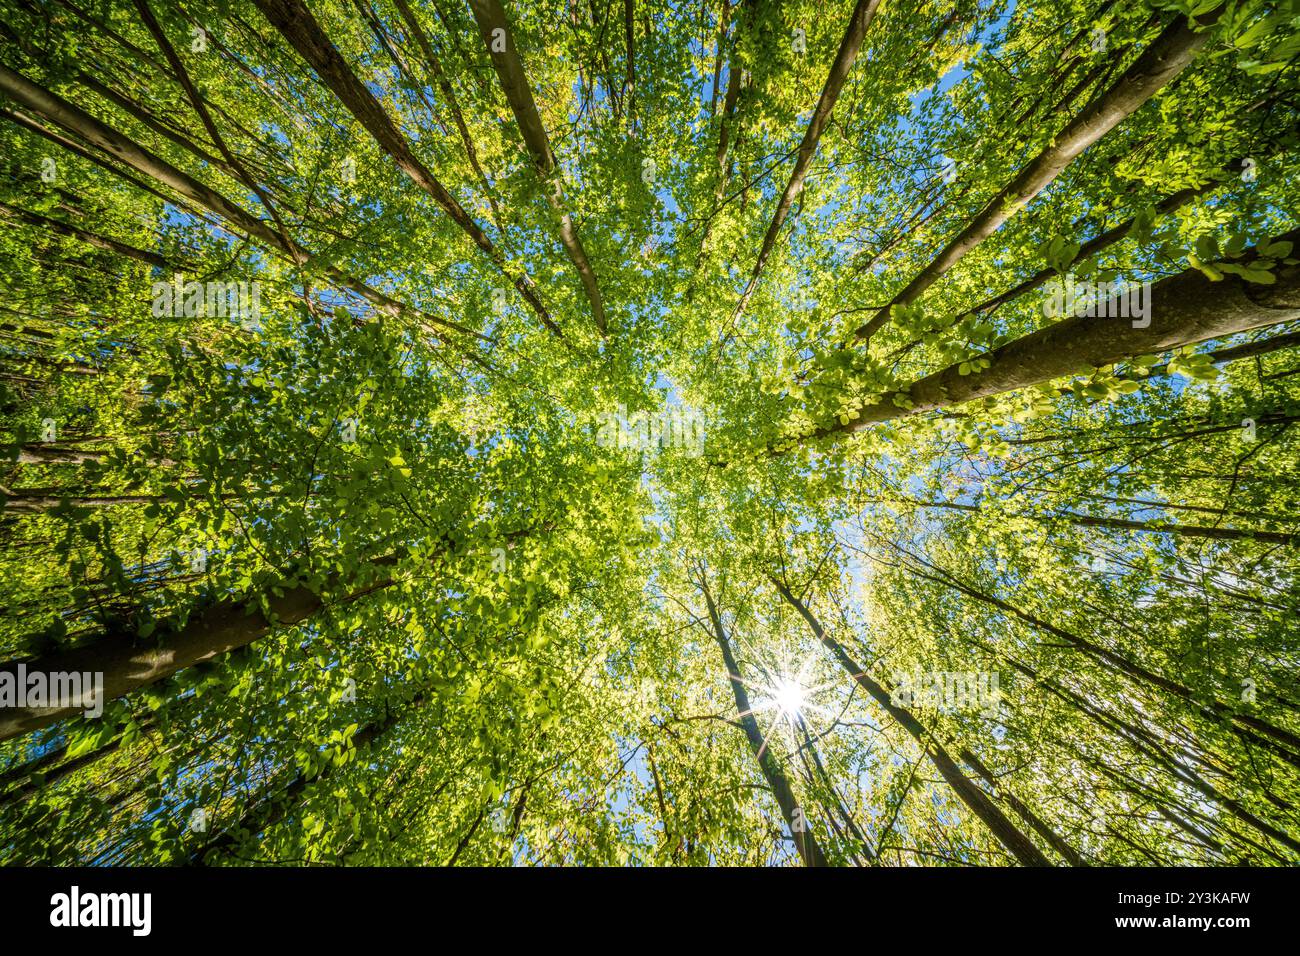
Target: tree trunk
x,y
271,809
976,800
514,83
296,23
1184,309
1054,839
453,105
75,120
721,175
1284,743
1096,244
1167,56
90,238
859,20
129,663
1127,524
795,819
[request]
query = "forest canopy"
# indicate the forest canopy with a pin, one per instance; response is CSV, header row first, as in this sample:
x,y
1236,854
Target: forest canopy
x,y
489,432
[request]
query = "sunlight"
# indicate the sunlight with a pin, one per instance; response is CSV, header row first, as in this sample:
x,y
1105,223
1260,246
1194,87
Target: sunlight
x,y
789,697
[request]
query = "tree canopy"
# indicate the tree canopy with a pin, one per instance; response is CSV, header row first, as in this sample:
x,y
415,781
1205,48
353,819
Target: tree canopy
x,y
812,433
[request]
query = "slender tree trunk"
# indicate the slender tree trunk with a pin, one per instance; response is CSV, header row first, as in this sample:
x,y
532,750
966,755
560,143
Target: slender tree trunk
x,y
629,85
272,808
1265,346
26,122
795,818
297,25
859,20
1167,56
1284,744
453,105
90,238
500,42
1154,752
1149,504
236,165
129,663
1184,309
1126,524
717,55
723,155
76,121
809,748
1054,839
1096,244
976,800
48,778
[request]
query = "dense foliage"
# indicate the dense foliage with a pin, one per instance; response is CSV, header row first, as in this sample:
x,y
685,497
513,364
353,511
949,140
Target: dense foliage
x,y
475,432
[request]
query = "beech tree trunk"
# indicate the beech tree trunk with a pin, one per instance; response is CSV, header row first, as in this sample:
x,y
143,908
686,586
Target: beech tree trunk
x,y
1167,56
297,25
1283,742
453,105
795,818
72,118
93,239
272,808
976,800
1128,524
860,19
1184,309
1096,244
514,83
129,663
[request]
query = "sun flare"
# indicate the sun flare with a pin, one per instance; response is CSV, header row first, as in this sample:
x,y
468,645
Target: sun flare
x,y
789,696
